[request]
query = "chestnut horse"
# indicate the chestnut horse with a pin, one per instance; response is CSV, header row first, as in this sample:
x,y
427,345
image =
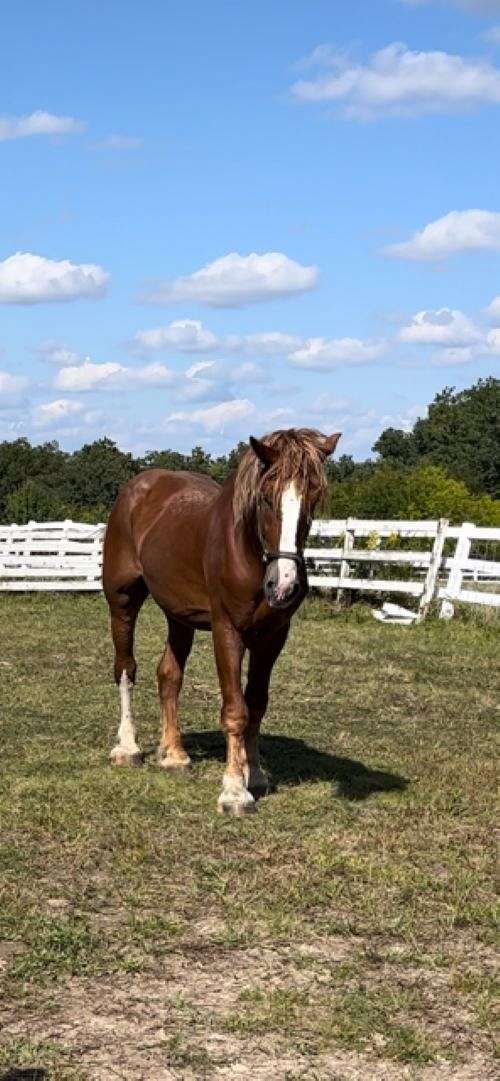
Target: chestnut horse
x,y
221,558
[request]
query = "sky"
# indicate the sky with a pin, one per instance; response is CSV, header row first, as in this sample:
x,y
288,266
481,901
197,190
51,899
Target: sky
x,y
219,219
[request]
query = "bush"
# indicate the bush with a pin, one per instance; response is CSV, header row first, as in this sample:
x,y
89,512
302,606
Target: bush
x,y
426,491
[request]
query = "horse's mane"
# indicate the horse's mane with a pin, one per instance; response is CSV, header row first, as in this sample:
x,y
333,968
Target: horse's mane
x,y
300,459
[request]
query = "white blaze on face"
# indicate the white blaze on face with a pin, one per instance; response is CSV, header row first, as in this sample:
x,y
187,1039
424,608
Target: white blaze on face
x,y
290,514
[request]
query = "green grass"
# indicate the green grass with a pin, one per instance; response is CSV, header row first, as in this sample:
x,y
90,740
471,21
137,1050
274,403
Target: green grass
x,y
353,914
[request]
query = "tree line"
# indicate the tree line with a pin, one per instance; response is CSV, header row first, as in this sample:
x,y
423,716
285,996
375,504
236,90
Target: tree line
x,y
448,465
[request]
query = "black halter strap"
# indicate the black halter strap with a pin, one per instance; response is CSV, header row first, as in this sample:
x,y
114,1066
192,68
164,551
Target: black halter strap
x,y
268,557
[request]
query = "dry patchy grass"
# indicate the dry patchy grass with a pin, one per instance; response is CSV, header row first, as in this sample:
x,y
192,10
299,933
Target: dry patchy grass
x,y
345,931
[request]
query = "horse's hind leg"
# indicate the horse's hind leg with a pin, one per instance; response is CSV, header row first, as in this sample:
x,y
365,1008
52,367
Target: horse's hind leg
x,y
124,604
171,753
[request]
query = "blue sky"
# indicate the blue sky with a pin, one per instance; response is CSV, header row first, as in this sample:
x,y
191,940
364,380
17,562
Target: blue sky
x,y
334,167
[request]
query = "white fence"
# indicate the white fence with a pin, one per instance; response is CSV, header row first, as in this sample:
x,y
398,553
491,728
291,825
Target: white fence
x,y
437,575
51,556
68,556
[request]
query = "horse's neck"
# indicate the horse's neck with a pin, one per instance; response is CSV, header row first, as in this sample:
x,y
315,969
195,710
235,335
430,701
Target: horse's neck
x,y
244,536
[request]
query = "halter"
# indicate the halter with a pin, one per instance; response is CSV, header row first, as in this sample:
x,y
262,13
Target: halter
x,y
269,557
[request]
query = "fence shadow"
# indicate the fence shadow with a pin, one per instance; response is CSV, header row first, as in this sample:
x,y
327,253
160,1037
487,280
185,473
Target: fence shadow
x,y
291,761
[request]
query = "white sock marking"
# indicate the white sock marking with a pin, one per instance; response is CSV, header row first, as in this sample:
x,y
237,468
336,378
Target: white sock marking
x,y
234,791
126,731
290,513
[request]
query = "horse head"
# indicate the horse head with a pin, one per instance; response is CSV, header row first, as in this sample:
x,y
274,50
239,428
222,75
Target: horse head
x,y
279,482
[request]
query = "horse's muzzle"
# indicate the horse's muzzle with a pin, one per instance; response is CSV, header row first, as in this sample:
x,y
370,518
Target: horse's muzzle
x,y
285,579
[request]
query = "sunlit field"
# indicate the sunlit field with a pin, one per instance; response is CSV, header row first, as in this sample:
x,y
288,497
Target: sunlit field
x,y
344,931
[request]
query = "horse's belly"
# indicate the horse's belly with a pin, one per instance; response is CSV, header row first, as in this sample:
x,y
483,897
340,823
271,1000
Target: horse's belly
x,y
171,557
180,593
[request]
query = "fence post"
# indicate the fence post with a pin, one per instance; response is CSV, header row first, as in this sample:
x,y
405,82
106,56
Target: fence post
x,y
63,539
96,553
25,549
345,569
454,583
431,579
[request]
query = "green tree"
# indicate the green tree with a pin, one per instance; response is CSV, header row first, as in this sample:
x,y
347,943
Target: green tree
x,y
426,491
396,446
20,462
199,460
225,464
461,433
164,459
32,501
96,472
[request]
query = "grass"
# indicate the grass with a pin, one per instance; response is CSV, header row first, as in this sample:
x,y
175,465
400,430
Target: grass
x,y
352,916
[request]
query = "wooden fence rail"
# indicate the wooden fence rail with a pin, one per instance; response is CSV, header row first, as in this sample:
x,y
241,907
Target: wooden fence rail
x,y
68,556
438,576
51,556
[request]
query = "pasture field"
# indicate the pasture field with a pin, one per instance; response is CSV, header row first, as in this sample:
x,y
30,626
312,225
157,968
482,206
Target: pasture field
x,y
343,933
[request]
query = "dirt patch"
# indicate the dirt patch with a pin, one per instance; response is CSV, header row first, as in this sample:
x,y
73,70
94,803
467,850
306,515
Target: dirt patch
x,y
176,1023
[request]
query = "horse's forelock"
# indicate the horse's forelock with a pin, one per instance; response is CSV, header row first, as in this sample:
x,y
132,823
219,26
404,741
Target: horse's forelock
x,y
299,459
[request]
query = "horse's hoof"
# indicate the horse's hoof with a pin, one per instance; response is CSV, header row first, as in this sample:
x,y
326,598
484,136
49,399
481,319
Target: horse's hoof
x,y
174,765
235,799
119,757
237,809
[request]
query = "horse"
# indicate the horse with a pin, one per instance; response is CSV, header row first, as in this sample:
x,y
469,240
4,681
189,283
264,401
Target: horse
x,y
226,558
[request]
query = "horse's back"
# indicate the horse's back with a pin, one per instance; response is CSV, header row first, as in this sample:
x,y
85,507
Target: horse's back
x,y
157,530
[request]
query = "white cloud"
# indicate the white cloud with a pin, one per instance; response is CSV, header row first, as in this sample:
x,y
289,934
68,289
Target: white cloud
x,y
111,376
235,280
270,343
283,415
120,142
398,82
215,418
183,336
493,342
327,403
153,375
51,414
323,56
211,380
458,354
87,376
38,123
249,372
492,35
12,388
458,231
406,418
493,311
190,336
321,354
200,366
31,279
56,352
441,327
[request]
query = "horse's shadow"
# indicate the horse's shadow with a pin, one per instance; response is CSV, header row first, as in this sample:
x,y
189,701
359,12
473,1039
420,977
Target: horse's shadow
x,y
24,1073
291,761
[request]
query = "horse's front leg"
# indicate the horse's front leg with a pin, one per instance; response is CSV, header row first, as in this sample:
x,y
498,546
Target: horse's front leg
x,y
229,649
263,657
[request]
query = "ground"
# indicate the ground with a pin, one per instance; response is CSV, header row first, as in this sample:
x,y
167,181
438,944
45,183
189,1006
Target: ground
x,y
343,933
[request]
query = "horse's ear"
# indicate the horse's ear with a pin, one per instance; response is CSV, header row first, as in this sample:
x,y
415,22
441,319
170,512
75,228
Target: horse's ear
x,y
328,443
266,454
